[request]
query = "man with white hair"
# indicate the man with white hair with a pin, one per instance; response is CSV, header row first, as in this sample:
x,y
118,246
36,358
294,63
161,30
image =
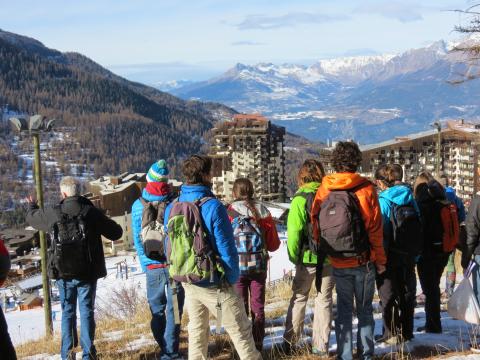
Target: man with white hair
x,y
75,259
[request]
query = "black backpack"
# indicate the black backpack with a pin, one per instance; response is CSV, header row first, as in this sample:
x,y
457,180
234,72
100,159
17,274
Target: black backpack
x,y
308,242
342,230
406,237
70,255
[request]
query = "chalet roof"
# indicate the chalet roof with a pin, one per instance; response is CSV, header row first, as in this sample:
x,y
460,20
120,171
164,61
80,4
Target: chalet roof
x,y
30,283
108,185
17,236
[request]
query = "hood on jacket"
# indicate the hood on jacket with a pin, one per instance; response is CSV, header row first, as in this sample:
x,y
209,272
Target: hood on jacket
x,y
432,190
150,197
194,192
343,181
309,187
398,194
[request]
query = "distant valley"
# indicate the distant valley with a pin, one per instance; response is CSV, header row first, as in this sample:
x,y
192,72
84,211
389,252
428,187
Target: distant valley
x,y
366,98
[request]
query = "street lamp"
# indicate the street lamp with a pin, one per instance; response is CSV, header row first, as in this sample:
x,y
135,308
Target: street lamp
x,y
438,126
34,126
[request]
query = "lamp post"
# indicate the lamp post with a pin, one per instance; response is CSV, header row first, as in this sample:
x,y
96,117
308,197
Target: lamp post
x,y
438,126
34,126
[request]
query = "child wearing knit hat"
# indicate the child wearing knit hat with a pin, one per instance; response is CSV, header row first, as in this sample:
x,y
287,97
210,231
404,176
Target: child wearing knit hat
x,y
157,179
159,288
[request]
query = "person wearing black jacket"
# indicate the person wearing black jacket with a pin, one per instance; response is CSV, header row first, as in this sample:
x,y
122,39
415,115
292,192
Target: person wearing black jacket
x,y
433,260
472,246
75,259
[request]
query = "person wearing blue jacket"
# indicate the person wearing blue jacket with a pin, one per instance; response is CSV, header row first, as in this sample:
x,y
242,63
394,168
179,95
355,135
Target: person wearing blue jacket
x,y
159,288
397,286
201,300
451,273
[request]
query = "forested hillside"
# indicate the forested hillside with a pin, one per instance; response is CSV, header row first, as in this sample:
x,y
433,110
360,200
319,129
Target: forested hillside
x,y
123,125
106,124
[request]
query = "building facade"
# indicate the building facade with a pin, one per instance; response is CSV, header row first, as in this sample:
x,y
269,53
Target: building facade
x,y
459,160
249,146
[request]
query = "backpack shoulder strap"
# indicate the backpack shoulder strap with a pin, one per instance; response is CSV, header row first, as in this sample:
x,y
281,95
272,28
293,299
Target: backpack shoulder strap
x,y
143,201
359,187
232,212
202,201
308,196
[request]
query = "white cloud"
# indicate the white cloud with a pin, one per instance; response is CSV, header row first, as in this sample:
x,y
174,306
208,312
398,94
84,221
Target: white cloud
x,y
265,22
246,43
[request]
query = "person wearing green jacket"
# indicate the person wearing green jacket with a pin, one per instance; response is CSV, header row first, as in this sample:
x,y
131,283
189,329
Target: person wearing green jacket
x,y
299,231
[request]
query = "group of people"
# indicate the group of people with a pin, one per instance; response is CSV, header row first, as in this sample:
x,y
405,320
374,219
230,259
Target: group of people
x,y
344,232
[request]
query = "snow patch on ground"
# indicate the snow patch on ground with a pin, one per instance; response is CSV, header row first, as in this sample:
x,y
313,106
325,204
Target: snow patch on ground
x,y
139,344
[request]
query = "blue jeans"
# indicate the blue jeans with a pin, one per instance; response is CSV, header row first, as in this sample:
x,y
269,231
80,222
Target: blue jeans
x,y
159,295
358,283
476,278
85,291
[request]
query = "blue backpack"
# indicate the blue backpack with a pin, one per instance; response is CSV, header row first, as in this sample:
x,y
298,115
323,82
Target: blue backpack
x,y
249,240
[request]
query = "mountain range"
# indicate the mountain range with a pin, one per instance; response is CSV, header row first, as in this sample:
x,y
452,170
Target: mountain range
x,y
366,98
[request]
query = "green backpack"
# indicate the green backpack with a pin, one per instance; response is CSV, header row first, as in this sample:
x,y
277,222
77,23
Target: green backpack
x,y
189,252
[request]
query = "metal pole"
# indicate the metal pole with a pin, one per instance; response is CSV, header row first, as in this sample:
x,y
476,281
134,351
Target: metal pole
x,y
43,243
439,142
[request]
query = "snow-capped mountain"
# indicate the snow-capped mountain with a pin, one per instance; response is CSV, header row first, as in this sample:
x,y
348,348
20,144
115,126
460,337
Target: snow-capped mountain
x,y
369,98
171,85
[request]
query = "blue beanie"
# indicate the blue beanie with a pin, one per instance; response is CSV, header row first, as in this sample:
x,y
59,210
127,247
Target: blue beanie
x,y
158,172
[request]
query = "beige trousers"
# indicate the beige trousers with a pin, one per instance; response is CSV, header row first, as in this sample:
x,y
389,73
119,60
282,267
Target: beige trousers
x,y
200,303
322,314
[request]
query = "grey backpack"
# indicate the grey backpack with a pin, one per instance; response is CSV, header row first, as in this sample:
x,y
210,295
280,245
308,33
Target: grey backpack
x,y
153,233
342,230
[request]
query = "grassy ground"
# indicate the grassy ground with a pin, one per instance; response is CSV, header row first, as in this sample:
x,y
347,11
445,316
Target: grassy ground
x,y
132,338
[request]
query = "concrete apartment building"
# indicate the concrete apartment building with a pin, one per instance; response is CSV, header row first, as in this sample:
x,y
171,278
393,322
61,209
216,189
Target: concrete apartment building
x,y
459,155
249,146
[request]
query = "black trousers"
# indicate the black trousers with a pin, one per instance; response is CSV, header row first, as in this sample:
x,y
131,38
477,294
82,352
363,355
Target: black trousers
x,y
430,272
7,350
397,288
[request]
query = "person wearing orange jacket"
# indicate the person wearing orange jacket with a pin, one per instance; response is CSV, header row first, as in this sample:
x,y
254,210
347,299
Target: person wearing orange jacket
x,y
7,350
347,224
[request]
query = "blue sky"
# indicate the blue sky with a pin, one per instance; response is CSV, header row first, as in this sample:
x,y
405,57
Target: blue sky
x,y
195,39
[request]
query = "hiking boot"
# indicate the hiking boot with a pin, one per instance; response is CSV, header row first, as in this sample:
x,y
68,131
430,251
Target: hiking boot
x,y
381,338
430,331
319,353
390,340
286,348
